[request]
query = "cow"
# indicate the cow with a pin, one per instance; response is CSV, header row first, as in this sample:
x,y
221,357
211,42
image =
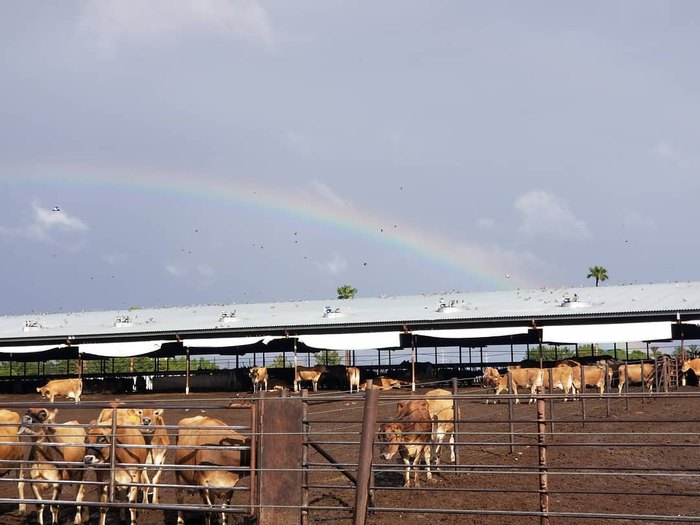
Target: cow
x,y
562,378
353,377
258,374
531,378
490,380
691,364
384,383
204,441
441,409
151,422
593,375
56,449
12,451
312,374
409,436
68,388
634,371
129,448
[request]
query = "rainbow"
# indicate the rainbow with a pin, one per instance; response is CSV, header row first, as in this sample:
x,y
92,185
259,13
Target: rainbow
x,y
487,268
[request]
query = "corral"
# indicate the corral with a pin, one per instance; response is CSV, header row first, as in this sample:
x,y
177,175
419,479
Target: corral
x,y
607,459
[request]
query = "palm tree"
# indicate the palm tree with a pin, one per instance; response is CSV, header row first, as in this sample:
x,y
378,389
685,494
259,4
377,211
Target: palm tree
x,y
600,274
346,292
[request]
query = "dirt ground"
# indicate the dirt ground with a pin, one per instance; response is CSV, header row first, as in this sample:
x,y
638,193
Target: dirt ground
x,y
638,462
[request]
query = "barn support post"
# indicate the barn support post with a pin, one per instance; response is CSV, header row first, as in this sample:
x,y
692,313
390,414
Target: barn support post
x,y
550,373
582,396
511,427
542,460
364,464
608,385
379,362
512,354
455,417
413,363
296,366
187,370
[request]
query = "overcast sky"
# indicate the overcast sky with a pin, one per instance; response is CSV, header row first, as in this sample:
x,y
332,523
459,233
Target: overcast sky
x,y
226,151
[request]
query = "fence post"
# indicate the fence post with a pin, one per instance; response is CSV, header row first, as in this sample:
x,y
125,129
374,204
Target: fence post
x,y
542,460
511,426
364,463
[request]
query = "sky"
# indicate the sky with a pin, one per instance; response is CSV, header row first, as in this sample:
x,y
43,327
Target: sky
x,y
169,153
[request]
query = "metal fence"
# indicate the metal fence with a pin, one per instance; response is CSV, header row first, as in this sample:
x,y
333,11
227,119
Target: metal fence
x,y
314,459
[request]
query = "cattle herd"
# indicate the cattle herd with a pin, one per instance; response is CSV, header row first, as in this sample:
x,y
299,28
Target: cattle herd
x,y
211,457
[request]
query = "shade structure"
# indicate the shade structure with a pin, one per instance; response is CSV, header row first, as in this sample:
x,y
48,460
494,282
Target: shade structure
x,y
130,349
28,349
367,341
222,342
607,333
473,333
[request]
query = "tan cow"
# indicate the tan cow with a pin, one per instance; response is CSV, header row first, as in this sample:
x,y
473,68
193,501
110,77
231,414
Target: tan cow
x,y
258,374
130,452
150,422
634,373
384,383
409,436
12,451
312,374
54,448
531,378
203,442
562,378
68,388
593,375
491,380
441,409
353,377
690,364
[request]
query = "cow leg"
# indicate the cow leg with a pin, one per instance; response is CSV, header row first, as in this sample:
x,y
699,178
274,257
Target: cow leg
x,y
133,498
20,489
407,472
426,454
180,497
80,496
155,481
39,506
55,496
147,485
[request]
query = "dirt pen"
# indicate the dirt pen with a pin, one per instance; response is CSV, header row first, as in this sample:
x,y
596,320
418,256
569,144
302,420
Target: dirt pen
x,y
599,460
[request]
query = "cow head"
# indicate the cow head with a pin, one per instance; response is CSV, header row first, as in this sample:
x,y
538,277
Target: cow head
x,y
43,391
491,378
97,443
389,439
35,418
149,417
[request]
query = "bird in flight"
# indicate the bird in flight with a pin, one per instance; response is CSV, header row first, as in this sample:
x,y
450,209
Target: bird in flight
x,y
56,208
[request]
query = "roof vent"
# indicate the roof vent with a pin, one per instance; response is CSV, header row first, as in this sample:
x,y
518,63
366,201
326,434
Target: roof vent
x,y
228,317
449,307
122,321
572,302
32,326
332,313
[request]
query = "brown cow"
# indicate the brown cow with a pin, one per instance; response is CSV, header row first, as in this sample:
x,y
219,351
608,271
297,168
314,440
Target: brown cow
x,y
130,452
531,378
11,451
312,374
353,377
68,388
203,442
54,448
690,364
634,371
258,374
409,436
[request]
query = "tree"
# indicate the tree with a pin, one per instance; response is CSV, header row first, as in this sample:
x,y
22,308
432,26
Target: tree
x,y
279,362
346,292
599,273
328,358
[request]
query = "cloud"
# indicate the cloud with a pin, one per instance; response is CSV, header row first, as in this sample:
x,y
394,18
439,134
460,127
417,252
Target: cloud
x,y
325,192
334,266
175,270
486,223
543,214
116,22
46,224
667,151
642,222
115,258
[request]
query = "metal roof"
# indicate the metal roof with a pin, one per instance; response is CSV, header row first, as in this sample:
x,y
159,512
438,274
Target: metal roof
x,y
530,307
